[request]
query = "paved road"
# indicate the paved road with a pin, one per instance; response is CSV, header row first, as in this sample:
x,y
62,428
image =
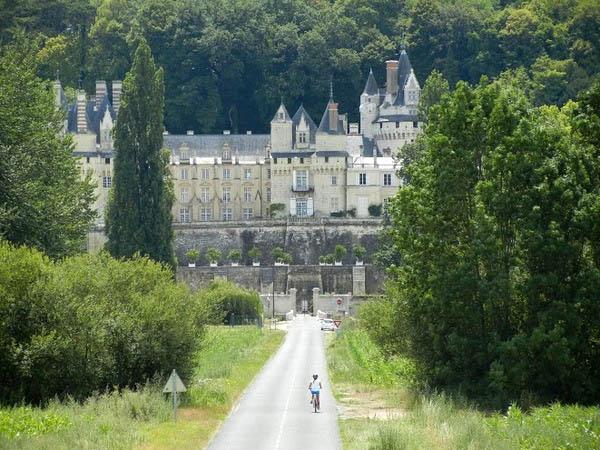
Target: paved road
x,y
275,412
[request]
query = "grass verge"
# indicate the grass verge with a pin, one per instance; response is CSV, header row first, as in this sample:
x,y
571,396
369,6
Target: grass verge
x,y
380,410
226,364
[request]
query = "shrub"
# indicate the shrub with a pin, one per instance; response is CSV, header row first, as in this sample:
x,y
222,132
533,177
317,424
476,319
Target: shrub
x,y
223,298
338,214
329,258
322,259
192,255
281,256
275,208
235,255
254,253
351,212
89,322
339,252
213,255
359,252
375,210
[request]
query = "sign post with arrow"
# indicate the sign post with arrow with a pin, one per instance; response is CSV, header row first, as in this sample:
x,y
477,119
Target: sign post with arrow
x,y
173,386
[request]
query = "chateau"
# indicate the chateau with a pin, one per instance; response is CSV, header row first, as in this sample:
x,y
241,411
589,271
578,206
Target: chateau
x,y
300,169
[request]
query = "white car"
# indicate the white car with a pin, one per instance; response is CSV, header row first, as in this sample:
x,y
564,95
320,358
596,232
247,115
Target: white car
x,y
327,325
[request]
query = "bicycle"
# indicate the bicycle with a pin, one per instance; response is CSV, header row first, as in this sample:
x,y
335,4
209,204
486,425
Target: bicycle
x,y
316,401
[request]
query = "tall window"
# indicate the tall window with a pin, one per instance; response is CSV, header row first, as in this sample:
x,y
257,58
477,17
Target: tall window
x,y
205,195
302,137
205,214
268,194
334,180
204,174
334,204
247,213
301,207
226,195
184,195
302,180
226,174
269,174
289,160
247,174
184,215
387,179
362,179
106,180
247,194
184,174
227,214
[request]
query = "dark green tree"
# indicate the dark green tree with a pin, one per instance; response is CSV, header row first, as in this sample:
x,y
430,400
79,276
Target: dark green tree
x,y
43,201
138,219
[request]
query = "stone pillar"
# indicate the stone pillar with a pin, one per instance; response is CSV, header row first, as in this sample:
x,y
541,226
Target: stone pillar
x,y
315,297
358,280
292,293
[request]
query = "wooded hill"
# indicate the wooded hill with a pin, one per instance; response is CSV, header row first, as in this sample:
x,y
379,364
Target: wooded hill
x,y
228,63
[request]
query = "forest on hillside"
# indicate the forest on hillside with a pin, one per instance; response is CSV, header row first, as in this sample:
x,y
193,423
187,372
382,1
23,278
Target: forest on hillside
x,y
228,63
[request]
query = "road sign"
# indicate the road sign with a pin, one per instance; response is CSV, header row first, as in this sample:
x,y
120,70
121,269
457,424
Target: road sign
x,y
173,386
337,323
339,301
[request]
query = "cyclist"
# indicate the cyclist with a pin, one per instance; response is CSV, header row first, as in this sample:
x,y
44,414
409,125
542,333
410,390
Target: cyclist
x,y
315,389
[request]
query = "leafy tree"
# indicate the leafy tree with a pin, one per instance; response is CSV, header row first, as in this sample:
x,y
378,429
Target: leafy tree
x,y
43,201
497,267
138,219
434,88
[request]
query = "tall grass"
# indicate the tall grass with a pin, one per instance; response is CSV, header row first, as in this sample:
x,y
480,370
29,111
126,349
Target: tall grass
x,y
106,421
436,421
224,365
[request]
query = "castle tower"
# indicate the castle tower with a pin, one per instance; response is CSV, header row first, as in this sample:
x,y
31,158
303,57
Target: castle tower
x,y
281,130
369,105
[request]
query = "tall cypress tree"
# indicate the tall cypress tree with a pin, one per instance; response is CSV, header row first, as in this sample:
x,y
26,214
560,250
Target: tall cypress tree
x,y
139,210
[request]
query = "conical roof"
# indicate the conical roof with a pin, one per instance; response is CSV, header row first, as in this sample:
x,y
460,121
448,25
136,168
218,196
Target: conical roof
x,y
281,114
324,125
371,87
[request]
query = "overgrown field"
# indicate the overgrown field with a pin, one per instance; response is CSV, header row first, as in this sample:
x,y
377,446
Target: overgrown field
x,y
228,360
382,411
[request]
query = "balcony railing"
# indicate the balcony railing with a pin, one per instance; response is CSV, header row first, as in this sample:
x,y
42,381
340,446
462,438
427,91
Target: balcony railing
x,y
302,188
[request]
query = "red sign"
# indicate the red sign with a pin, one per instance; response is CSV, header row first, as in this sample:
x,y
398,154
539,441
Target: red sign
x,y
337,323
339,301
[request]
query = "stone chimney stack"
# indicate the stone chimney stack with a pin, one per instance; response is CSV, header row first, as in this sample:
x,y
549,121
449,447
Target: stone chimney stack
x,y
392,76
100,92
81,113
117,88
333,116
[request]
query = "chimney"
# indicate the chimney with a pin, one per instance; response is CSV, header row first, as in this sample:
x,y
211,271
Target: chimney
x,y
117,88
226,132
190,132
81,113
392,76
333,116
100,92
58,93
353,128
248,132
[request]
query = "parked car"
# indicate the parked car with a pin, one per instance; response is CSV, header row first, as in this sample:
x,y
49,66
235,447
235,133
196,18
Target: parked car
x,y
327,325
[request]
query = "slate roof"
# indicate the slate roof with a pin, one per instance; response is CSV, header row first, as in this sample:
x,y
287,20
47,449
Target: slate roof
x,y
404,70
295,154
286,115
397,118
332,153
311,124
93,115
371,87
324,125
211,145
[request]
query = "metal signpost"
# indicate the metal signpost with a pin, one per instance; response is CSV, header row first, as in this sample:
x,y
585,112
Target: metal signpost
x,y
173,386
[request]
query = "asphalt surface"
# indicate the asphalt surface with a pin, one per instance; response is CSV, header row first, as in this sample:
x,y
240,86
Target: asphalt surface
x,y
274,412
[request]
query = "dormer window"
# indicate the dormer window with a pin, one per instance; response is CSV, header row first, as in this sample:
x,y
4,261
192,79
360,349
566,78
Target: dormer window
x,y
302,137
226,153
280,116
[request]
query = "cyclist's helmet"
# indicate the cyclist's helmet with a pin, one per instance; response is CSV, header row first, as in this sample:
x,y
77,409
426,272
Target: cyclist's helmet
x,y
315,376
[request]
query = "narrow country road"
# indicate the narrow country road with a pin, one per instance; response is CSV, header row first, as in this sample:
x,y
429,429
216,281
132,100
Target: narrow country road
x,y
275,412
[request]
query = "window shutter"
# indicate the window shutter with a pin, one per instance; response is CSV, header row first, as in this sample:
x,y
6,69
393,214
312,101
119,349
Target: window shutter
x,y
309,206
294,180
293,205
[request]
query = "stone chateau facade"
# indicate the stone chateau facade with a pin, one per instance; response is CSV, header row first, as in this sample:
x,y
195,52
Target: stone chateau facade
x,y
300,169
